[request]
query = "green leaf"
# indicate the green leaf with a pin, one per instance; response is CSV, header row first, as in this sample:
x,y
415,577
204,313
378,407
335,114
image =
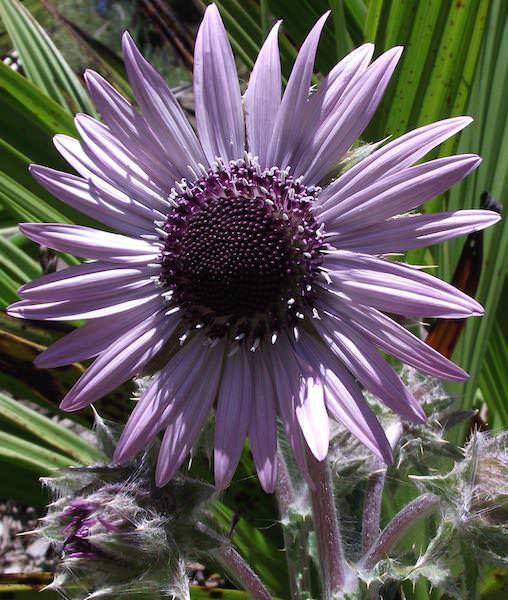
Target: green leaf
x,y
19,263
8,289
42,61
248,22
442,41
16,166
343,41
49,386
23,592
22,485
22,589
356,16
246,25
244,28
257,550
461,35
494,378
25,106
17,355
489,138
101,56
24,204
299,18
373,19
455,62
200,593
49,432
42,335
23,454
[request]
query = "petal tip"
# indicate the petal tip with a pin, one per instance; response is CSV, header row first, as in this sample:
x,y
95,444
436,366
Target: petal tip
x,y
221,484
461,375
494,218
475,308
456,124
395,52
121,454
320,450
223,473
160,481
268,488
22,289
366,50
321,21
165,469
212,11
89,75
268,478
70,405
41,362
57,139
386,455
28,229
127,38
419,417
80,118
162,477
129,49
11,311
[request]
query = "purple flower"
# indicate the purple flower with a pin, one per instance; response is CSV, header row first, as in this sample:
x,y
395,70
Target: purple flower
x,y
276,289
80,516
117,536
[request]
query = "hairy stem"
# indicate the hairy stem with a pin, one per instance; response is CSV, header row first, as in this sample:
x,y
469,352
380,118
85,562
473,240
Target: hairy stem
x,y
374,493
372,507
285,498
241,572
334,568
236,566
284,491
397,527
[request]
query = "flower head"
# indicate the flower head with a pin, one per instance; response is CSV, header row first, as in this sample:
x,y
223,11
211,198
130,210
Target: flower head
x,y
116,535
268,287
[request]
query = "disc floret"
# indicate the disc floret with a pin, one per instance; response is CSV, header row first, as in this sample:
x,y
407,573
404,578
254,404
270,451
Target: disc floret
x,y
241,248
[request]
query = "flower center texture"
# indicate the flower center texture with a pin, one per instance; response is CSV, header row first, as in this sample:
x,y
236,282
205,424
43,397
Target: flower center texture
x,y
236,256
241,248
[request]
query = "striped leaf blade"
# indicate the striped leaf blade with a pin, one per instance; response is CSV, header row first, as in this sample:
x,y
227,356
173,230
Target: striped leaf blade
x,y
42,61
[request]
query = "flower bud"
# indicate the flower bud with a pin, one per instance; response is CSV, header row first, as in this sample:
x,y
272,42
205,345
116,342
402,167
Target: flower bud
x,y
475,496
119,535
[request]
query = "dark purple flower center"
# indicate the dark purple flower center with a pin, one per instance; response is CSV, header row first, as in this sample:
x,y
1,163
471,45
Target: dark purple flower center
x,y
241,248
235,257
